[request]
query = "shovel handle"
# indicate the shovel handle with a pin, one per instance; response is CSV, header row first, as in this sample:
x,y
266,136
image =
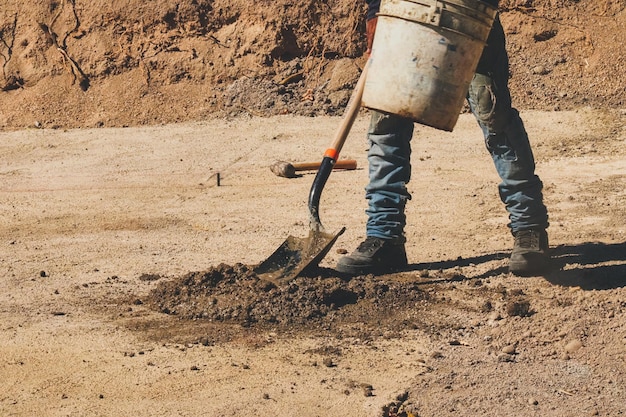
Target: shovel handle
x,y
309,166
349,116
332,153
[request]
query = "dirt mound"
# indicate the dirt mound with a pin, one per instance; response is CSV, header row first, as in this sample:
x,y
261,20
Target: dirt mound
x,y
234,294
70,64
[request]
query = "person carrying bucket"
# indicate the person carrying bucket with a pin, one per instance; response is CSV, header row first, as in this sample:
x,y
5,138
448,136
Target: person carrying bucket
x,y
391,127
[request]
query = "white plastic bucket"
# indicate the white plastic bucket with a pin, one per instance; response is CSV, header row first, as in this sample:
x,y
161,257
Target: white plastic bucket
x,y
424,56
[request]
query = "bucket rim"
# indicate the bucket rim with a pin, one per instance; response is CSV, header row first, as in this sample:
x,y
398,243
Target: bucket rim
x,y
481,16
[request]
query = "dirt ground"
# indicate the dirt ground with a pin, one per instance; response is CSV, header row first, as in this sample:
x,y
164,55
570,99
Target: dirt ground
x,y
96,222
136,198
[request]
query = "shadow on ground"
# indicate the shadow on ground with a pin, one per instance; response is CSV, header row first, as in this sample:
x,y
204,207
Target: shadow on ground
x,y
590,266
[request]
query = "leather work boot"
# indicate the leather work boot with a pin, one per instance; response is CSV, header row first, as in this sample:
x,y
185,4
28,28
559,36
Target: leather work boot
x,y
375,256
530,252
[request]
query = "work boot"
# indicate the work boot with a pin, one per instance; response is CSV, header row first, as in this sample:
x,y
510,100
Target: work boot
x,y
530,252
375,256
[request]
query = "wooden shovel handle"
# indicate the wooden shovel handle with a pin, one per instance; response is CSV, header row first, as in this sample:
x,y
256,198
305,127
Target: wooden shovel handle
x,y
340,164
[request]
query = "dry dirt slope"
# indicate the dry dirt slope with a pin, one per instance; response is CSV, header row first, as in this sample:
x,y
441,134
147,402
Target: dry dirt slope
x,y
69,63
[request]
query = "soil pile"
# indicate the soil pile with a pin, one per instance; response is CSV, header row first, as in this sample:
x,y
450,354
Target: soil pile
x,y
234,294
72,64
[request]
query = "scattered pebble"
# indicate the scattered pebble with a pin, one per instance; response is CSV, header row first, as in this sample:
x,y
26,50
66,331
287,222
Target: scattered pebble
x,y
540,70
368,390
495,316
149,277
510,349
573,346
436,355
520,308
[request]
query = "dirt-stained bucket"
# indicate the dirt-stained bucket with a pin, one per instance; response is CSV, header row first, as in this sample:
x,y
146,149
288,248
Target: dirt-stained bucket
x,y
424,56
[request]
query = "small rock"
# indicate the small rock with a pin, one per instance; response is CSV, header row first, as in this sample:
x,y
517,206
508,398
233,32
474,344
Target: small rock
x,y
506,358
573,346
495,316
368,390
510,349
540,70
532,401
520,308
436,355
328,362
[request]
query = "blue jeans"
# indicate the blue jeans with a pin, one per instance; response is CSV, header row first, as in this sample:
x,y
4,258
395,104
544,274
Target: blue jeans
x,y
506,140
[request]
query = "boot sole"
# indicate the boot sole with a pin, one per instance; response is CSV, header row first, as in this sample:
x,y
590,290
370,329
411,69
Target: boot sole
x,y
526,268
366,270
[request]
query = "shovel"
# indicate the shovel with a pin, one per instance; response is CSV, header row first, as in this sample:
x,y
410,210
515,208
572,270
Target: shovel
x,y
295,255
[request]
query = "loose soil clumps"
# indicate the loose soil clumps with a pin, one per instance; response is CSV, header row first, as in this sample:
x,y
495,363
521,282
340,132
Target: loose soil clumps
x,y
235,294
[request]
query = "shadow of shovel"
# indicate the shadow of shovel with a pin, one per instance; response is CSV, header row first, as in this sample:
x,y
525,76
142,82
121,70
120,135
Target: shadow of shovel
x,y
295,255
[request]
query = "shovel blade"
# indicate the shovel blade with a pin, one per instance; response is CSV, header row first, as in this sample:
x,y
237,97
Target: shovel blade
x,y
294,255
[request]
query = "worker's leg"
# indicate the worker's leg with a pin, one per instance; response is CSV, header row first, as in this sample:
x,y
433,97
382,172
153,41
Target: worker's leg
x,y
389,157
507,142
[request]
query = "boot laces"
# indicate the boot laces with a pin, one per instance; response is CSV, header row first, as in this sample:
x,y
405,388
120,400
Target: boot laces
x,y
370,244
527,239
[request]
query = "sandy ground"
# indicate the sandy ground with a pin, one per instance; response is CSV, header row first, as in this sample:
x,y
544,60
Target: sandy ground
x,y
87,212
